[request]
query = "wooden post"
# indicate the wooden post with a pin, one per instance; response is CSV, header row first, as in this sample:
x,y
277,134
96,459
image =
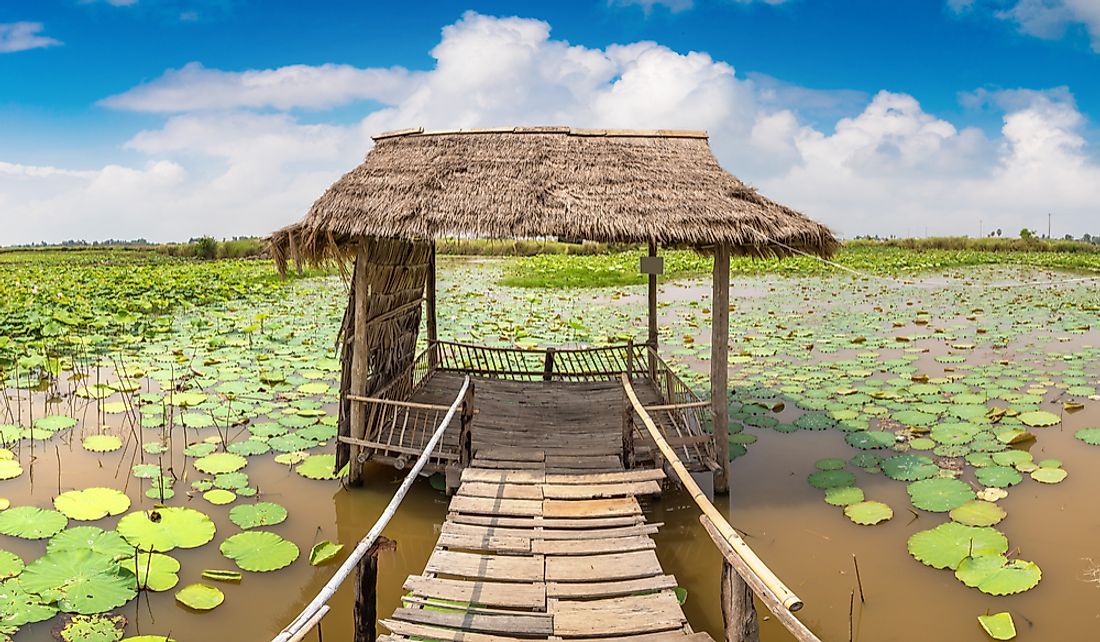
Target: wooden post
x,y
548,365
719,363
652,337
630,358
360,360
738,609
366,590
628,432
429,311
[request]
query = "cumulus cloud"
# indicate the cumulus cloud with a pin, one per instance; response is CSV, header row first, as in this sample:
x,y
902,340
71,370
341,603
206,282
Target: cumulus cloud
x,y
21,36
233,155
1048,19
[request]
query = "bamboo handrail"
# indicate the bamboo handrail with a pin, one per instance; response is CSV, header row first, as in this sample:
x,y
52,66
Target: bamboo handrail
x,y
617,346
768,579
309,613
396,402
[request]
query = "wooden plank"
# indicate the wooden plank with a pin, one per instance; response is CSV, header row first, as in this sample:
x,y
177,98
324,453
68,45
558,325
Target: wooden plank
x,y
489,544
600,491
591,507
423,631
503,476
497,594
526,625
678,635
511,454
620,477
503,491
507,465
593,546
532,522
471,530
612,566
609,589
617,616
491,506
509,568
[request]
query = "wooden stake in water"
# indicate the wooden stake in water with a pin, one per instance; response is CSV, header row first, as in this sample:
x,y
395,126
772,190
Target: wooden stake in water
x,y
859,581
851,609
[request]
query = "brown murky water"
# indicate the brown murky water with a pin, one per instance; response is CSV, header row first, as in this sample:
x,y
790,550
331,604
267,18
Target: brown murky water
x,y
808,543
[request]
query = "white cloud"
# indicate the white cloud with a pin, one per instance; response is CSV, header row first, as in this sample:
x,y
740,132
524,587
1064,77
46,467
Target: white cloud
x,y
21,36
675,6
1048,19
236,159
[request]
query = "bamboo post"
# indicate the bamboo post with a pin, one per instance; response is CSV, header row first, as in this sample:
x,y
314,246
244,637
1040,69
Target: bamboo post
x,y
719,363
360,360
429,310
652,298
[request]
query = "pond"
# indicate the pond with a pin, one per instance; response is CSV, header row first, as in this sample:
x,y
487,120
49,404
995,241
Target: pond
x,y
907,392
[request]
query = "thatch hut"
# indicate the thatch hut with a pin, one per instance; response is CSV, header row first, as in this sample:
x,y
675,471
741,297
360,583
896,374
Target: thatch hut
x,y
655,188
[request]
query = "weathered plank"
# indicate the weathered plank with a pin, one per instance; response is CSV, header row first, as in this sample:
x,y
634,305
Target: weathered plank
x,y
617,616
502,491
424,631
620,477
513,568
493,506
494,594
609,589
593,546
611,566
487,543
591,507
532,522
525,625
503,476
469,530
599,491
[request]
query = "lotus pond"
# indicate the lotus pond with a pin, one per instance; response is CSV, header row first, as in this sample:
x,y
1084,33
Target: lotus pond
x,y
167,450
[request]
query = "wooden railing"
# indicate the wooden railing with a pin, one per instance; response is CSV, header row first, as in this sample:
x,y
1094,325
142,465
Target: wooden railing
x,y
363,556
685,418
739,557
604,363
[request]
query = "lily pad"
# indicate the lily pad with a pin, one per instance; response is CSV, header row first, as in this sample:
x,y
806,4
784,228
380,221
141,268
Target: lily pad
x,y
219,496
843,495
30,522
91,504
870,440
221,463
154,571
83,581
102,443
1039,418
20,606
318,467
978,513
259,514
997,575
940,495
948,544
1090,436
90,538
909,467
998,476
323,551
91,628
998,626
259,551
868,513
1049,475
831,479
10,565
201,597
163,529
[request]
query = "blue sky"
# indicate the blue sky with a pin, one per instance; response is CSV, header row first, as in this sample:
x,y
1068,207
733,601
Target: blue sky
x,y
229,116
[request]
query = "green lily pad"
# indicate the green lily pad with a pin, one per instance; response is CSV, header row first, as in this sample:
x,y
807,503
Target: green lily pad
x,y
940,495
909,467
10,565
220,496
154,571
10,469
978,513
948,544
90,538
868,513
318,467
831,479
323,551
54,423
83,581
844,495
91,628
259,514
30,522
201,597
163,529
19,606
1039,418
217,575
91,504
998,476
1049,475
998,626
102,443
1090,436
997,575
259,551
221,463
870,440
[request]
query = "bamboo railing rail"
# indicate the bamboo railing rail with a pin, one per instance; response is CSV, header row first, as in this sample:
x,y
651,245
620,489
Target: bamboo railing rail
x,y
603,363
309,617
771,590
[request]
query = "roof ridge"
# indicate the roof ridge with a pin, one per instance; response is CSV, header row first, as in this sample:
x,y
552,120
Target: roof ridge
x,y
568,131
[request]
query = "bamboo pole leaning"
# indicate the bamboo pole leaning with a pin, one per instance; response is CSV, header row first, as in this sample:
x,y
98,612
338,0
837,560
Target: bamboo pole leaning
x,y
783,595
307,615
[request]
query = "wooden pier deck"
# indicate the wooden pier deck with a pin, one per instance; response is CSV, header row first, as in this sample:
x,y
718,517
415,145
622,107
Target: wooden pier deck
x,y
529,553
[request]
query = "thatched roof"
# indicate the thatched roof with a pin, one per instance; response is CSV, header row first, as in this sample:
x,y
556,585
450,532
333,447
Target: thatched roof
x,y
599,185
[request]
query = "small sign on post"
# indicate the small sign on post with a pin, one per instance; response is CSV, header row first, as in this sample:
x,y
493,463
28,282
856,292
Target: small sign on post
x,y
654,265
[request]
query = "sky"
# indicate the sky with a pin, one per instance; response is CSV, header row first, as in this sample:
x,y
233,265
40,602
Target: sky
x,y
170,119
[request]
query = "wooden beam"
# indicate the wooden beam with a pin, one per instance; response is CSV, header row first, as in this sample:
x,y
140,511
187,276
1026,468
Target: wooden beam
x,y
360,361
738,609
652,300
719,363
429,310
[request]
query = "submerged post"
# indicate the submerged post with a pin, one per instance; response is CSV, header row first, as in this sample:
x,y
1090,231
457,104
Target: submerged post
x,y
429,310
360,360
366,592
738,609
719,363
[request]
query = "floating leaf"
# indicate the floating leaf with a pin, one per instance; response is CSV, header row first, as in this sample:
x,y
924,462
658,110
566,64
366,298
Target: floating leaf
x,y
154,571
997,575
831,479
91,628
998,626
868,513
870,440
940,495
164,529
909,467
219,496
54,423
221,463
1049,475
998,476
10,565
844,495
91,504
222,576
259,514
1090,436
83,581
948,544
102,443
318,467
201,597
323,551
978,513
19,606
10,469
90,538
1039,418
259,551
30,522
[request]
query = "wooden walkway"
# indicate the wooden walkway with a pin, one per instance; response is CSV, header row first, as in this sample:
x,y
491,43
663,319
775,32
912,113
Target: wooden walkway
x,y
534,549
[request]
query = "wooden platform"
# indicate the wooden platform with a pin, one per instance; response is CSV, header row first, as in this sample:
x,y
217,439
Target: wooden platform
x,y
528,552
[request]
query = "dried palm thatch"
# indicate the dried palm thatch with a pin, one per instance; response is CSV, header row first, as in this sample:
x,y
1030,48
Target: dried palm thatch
x,y
599,185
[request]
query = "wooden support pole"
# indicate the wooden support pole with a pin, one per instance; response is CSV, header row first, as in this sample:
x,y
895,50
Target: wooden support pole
x,y
429,311
360,360
628,432
719,364
738,609
366,591
652,300
548,365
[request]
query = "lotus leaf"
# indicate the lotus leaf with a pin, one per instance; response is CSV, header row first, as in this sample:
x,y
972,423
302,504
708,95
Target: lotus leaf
x,y
939,495
323,551
91,628
997,575
955,434
1090,436
54,423
843,496
164,529
10,565
978,513
10,469
102,443
998,626
154,571
259,514
948,544
909,467
219,496
1012,457
19,606
870,440
222,576
831,479
868,513
84,581
91,504
201,597
318,467
998,476
30,522
90,538
259,551
1039,418
1049,475
221,463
